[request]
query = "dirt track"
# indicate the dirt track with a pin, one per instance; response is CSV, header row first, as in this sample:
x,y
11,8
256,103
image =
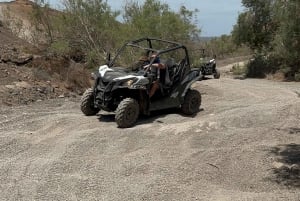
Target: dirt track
x,y
244,144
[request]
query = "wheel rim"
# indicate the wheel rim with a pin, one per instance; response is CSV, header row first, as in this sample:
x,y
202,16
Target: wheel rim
x,y
194,104
130,114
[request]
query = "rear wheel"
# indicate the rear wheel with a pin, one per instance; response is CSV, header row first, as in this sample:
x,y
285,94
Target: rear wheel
x,y
217,74
192,102
87,103
127,113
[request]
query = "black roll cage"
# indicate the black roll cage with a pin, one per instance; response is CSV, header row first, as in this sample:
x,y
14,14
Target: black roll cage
x,y
136,43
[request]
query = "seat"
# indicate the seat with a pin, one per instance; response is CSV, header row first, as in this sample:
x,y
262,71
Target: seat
x,y
179,71
169,71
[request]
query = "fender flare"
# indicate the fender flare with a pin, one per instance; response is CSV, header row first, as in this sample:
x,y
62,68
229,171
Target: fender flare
x,y
188,86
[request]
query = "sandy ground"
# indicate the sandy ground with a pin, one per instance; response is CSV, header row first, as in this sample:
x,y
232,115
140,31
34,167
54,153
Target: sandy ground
x,y
244,144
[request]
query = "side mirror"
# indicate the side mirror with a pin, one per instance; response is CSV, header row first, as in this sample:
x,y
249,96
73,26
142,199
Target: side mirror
x,y
215,56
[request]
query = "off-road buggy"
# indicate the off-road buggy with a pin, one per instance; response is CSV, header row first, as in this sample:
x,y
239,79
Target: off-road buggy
x,y
122,85
209,66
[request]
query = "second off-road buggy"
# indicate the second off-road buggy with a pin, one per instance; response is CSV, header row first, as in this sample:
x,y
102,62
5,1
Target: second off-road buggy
x,y
209,66
122,85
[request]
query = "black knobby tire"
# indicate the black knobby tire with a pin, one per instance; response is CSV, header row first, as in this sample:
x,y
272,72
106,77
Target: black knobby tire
x,y
192,102
127,113
87,103
217,74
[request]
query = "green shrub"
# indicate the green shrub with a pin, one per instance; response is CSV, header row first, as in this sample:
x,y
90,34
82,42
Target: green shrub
x,y
60,48
93,59
297,77
260,66
285,69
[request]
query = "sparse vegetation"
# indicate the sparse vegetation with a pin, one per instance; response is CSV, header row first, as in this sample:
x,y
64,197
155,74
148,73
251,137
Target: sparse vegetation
x,y
60,48
258,67
41,17
238,69
85,31
224,47
271,29
92,28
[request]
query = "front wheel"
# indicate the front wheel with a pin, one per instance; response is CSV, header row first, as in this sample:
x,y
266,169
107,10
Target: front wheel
x,y
87,103
192,102
127,113
217,74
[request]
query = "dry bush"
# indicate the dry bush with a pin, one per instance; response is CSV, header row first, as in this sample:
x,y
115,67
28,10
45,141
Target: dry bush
x,y
51,64
62,71
41,74
238,69
278,76
77,78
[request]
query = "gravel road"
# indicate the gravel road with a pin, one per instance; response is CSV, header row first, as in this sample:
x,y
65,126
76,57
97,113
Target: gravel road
x,y
244,144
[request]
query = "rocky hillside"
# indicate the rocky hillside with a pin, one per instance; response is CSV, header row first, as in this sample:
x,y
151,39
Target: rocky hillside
x,y
16,16
28,74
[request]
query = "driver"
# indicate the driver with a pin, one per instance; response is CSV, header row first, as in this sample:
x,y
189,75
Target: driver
x,y
157,65
139,65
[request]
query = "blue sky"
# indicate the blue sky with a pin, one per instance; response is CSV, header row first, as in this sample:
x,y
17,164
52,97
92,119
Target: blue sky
x,y
216,17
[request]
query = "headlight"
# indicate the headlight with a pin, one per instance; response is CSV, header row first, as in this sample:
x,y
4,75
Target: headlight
x,y
127,83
